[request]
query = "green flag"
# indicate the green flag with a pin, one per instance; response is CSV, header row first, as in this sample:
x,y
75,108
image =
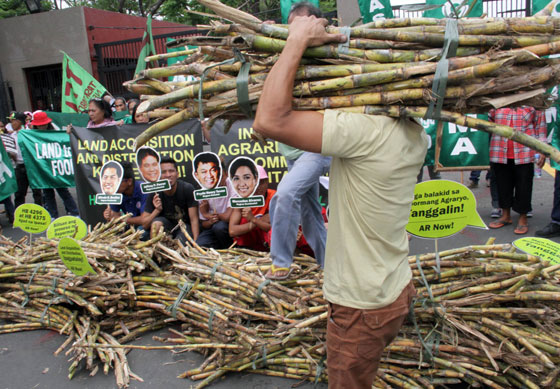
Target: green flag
x,y
173,60
78,86
463,146
48,158
8,182
540,4
448,10
375,9
148,47
460,146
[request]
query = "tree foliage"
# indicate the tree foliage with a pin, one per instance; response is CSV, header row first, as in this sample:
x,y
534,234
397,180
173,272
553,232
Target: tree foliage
x,y
170,10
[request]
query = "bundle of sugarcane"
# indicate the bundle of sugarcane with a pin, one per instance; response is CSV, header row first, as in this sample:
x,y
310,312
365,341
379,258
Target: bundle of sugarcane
x,y
388,68
484,315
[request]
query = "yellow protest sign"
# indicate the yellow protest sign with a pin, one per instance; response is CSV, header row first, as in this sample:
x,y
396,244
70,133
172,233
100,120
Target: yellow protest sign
x,y
32,218
546,249
442,208
73,257
67,226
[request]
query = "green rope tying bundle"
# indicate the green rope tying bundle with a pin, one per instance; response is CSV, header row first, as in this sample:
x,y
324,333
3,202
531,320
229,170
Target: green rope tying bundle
x,y
450,44
213,272
433,339
261,287
242,82
320,369
211,319
343,46
56,298
25,288
257,357
185,288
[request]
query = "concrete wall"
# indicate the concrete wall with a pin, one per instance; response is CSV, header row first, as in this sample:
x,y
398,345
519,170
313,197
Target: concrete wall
x,y
348,11
36,40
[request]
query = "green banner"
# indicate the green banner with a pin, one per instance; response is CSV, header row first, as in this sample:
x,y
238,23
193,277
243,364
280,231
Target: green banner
x,y
174,60
460,146
463,146
286,6
48,158
78,86
62,119
8,183
454,8
430,126
540,4
375,9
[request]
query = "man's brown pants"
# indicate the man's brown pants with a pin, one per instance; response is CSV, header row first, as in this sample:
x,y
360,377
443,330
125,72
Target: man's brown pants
x,y
356,339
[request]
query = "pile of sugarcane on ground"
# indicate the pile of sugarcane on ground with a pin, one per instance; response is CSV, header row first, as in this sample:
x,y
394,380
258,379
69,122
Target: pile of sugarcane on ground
x,y
484,315
388,68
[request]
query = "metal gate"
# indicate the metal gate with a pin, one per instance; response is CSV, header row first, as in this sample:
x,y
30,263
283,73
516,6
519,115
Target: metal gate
x,y
45,83
116,61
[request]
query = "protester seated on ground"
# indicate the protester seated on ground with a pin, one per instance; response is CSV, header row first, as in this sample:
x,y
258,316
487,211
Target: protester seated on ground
x,y
165,209
133,200
214,216
41,121
244,176
120,104
249,226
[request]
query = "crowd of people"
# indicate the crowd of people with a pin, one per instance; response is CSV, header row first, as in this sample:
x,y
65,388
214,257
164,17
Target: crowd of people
x,y
374,163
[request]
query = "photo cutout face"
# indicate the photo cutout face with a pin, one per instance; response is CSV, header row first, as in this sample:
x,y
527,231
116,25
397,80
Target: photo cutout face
x,y
110,177
244,176
147,160
207,170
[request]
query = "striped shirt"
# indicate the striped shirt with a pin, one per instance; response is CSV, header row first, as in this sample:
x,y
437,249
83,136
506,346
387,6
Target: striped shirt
x,y
523,119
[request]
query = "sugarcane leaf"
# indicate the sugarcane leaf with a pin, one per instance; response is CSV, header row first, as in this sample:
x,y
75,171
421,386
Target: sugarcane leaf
x,y
420,7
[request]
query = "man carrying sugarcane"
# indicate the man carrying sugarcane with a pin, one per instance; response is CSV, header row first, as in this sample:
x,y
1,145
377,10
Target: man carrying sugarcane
x,y
375,160
297,198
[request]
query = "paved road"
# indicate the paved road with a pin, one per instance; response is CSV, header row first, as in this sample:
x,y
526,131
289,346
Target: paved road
x,y
26,359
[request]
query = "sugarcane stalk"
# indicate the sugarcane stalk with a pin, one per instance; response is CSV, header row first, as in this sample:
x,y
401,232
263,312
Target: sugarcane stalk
x,y
467,121
173,54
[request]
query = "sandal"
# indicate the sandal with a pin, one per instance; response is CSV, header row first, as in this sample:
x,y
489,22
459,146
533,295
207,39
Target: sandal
x,y
521,229
499,224
272,273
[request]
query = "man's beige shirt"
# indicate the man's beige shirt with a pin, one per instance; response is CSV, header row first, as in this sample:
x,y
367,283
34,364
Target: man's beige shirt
x,y
373,173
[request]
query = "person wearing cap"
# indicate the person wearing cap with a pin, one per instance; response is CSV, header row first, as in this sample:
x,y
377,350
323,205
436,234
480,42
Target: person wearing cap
x,y
41,121
17,120
375,160
250,226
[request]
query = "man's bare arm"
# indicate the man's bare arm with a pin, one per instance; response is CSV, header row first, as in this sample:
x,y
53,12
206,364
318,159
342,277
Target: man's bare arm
x,y
275,118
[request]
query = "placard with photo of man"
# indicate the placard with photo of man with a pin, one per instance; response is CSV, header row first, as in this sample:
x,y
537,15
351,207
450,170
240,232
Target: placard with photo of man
x,y
147,160
110,178
207,172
